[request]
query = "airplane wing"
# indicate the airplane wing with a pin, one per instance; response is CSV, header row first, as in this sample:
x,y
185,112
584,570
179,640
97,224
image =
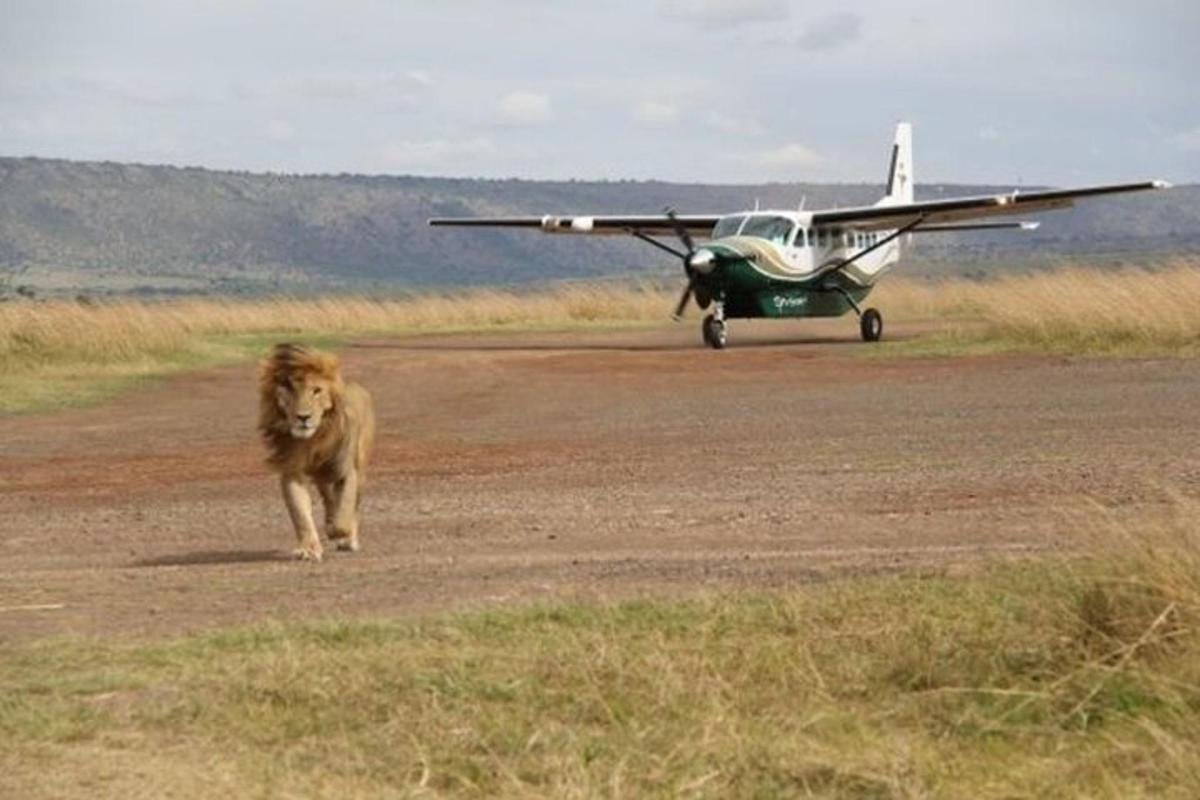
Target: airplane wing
x,y
650,225
935,212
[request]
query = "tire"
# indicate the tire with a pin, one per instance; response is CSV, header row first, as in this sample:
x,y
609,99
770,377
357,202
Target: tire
x,y
713,330
871,325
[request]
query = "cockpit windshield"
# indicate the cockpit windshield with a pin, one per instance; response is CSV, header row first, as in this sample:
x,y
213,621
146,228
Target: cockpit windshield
x,y
774,229
728,226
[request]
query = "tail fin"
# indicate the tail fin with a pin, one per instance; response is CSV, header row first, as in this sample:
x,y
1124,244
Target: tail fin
x,y
900,173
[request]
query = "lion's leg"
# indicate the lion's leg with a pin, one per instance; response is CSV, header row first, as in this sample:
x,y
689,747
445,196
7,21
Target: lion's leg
x,y
345,517
329,499
299,506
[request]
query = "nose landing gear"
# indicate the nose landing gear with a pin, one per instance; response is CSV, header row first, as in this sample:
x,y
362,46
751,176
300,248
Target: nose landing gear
x,y
713,328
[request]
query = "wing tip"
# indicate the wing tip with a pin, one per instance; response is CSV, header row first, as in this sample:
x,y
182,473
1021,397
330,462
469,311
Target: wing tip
x,y
1159,183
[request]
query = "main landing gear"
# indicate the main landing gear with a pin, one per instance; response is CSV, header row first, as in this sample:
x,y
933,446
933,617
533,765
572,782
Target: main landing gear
x,y
870,325
713,328
870,322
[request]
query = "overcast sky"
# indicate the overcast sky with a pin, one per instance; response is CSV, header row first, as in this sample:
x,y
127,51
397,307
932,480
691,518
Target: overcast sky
x,y
1062,92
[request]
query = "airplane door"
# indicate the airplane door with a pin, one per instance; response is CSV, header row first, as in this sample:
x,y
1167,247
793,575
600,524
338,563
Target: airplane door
x,y
798,254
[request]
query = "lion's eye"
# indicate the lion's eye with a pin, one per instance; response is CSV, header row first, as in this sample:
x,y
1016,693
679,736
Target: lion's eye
x,y
316,390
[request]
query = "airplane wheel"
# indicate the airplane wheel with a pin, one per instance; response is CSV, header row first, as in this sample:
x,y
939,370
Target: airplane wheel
x,y
871,325
714,332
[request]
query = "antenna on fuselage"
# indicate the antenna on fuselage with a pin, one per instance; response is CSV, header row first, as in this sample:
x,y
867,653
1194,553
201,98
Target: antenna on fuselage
x,y
803,202
756,204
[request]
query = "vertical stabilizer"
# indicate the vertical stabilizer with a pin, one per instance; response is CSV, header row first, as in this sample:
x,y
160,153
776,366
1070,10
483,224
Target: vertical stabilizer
x,y
900,172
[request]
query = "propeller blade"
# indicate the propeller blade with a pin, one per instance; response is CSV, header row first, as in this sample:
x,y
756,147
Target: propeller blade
x,y
680,230
683,300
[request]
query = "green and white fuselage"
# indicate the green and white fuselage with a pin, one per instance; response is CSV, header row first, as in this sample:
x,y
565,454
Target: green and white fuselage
x,y
779,264
820,263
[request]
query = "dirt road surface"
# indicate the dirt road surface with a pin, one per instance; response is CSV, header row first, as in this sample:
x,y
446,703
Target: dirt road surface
x,y
534,467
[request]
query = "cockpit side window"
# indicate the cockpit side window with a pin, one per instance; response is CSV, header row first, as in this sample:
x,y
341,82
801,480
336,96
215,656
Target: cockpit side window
x,y
728,226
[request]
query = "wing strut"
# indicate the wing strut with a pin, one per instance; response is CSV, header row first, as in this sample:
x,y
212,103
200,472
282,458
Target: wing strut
x,y
651,240
834,287
885,240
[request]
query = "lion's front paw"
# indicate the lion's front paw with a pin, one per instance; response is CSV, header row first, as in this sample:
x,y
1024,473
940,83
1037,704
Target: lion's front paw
x,y
348,545
307,553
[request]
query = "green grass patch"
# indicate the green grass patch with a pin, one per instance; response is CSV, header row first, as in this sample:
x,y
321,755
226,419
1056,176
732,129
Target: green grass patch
x,y
64,381
1043,679
978,338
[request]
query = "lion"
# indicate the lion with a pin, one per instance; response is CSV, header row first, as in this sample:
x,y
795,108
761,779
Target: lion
x,y
319,429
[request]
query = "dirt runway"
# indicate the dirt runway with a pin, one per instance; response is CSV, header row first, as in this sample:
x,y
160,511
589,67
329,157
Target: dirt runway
x,y
532,467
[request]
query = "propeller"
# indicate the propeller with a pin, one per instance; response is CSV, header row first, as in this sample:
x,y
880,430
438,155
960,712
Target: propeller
x,y
703,299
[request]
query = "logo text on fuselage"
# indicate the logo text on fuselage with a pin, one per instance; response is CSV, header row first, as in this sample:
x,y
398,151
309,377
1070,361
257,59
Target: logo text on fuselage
x,y
783,301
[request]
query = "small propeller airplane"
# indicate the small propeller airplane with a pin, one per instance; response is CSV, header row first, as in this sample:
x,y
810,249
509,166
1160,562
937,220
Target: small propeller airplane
x,y
820,263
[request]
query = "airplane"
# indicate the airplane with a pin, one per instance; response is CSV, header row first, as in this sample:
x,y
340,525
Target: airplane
x,y
820,263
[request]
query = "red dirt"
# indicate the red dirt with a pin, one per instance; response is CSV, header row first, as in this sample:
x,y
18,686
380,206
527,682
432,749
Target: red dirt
x,y
594,466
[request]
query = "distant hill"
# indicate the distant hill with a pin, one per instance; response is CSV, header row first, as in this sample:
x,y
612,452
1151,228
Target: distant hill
x,y
68,226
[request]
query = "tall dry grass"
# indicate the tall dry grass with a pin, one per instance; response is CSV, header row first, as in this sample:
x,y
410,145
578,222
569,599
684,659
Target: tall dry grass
x,y
1074,310
63,352
37,334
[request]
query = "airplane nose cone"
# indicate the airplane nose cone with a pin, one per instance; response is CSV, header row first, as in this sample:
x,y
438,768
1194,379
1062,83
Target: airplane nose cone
x,y
702,261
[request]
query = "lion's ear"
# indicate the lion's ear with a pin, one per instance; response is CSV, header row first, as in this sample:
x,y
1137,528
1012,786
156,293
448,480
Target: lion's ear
x,y
330,366
282,394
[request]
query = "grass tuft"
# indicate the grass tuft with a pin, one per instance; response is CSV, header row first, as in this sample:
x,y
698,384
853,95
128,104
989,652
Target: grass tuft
x,y
1066,677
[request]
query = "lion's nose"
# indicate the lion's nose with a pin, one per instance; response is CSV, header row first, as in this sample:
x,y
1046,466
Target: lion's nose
x,y
304,417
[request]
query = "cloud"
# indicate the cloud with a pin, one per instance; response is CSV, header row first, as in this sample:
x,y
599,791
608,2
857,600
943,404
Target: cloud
x,y
524,108
279,130
988,134
329,89
1188,141
732,125
441,153
785,156
133,91
727,13
399,88
831,32
403,88
656,114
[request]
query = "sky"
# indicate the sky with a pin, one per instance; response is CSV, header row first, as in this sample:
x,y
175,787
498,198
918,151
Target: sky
x,y
715,91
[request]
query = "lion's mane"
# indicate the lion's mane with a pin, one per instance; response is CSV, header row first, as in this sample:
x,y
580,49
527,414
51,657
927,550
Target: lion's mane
x,y
286,453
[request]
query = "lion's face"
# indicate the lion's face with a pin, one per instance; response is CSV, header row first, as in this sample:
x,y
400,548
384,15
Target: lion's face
x,y
304,399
